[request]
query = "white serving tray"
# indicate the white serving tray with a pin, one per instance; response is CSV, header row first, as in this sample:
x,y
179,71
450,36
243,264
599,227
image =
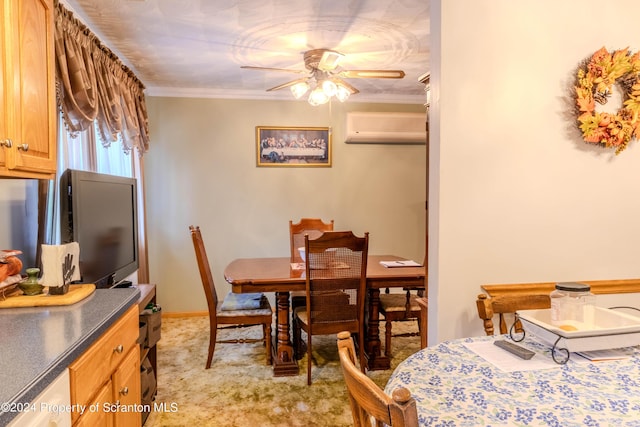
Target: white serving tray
x,y
609,329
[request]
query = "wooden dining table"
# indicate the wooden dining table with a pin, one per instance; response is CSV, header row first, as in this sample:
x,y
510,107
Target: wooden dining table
x,y
278,275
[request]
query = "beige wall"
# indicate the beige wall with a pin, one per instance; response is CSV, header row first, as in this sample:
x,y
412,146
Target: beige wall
x,y
515,195
201,170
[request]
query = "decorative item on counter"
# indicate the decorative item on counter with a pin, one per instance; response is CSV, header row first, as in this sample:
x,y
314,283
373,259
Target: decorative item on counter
x,y
60,266
572,306
6,253
31,285
10,266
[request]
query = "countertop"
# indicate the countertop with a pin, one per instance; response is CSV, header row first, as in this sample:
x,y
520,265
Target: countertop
x,y
38,343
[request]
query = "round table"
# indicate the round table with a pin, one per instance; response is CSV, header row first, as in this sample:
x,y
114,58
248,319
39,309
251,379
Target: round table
x,y
454,386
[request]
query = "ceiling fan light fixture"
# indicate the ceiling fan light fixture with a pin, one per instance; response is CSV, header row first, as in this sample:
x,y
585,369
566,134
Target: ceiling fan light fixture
x,y
329,88
325,78
299,89
342,93
318,97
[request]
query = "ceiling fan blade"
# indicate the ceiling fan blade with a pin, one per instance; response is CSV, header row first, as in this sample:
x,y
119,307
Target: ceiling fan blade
x,y
291,83
249,67
329,60
371,74
352,89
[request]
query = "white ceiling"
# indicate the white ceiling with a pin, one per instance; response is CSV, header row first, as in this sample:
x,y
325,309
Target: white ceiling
x,y
196,47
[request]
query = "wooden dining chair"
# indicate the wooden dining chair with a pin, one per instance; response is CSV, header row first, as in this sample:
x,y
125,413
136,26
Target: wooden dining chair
x,y
399,307
336,284
504,306
241,313
311,226
367,400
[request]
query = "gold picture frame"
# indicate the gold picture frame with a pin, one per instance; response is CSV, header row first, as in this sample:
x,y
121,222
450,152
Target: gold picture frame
x,y
293,146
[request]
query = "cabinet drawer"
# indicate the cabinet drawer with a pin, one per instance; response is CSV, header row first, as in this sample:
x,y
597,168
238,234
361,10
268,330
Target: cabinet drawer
x,y
96,365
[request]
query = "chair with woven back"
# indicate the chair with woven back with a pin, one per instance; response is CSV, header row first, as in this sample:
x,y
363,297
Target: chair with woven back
x,y
313,227
400,307
235,310
336,285
506,305
367,400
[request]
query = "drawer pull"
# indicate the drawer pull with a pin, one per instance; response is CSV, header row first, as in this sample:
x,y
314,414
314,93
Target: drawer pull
x,y
124,391
119,349
6,143
23,147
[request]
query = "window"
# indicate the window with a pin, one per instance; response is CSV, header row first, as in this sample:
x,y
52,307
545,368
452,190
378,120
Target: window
x,y
83,151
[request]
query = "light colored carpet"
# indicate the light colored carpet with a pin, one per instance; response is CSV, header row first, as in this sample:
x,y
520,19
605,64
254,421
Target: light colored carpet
x,y
239,389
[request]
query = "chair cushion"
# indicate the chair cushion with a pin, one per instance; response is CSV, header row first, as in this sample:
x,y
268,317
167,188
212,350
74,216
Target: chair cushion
x,y
236,313
233,301
263,310
396,302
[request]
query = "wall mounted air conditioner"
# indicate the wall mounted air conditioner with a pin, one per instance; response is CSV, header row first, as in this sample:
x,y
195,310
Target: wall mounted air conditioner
x,y
386,128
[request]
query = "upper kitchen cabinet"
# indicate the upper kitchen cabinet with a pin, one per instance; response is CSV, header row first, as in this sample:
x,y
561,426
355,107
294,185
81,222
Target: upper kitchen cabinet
x,y
27,89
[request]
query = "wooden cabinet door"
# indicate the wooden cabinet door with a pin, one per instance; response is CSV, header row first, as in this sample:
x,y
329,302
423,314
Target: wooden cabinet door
x,y
126,390
4,98
29,95
99,418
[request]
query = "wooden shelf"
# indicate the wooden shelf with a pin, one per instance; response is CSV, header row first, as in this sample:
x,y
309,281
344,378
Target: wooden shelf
x,y
147,295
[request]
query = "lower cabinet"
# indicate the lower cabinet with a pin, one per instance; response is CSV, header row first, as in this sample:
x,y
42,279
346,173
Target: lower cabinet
x,y
105,379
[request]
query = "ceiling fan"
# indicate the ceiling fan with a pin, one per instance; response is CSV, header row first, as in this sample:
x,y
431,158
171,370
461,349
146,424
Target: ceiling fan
x,y
325,77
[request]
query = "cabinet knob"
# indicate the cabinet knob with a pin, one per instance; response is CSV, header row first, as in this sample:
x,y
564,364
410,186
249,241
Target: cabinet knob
x,y
124,391
24,147
6,143
119,349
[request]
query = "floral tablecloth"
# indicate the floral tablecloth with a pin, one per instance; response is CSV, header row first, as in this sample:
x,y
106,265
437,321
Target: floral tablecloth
x,y
453,386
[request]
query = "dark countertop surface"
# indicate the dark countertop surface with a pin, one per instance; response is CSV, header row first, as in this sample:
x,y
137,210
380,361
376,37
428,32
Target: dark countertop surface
x,y
38,343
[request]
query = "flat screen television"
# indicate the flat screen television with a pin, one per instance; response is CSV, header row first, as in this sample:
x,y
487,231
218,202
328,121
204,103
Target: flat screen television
x,y
99,211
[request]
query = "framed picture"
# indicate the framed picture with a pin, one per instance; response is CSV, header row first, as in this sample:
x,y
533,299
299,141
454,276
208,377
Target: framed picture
x,y
293,146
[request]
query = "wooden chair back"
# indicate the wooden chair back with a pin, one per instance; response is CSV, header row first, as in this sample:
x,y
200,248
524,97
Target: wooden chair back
x,y
336,279
205,274
505,306
311,226
367,400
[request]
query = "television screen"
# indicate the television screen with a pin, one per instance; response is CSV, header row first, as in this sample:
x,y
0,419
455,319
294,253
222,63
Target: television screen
x,y
99,212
